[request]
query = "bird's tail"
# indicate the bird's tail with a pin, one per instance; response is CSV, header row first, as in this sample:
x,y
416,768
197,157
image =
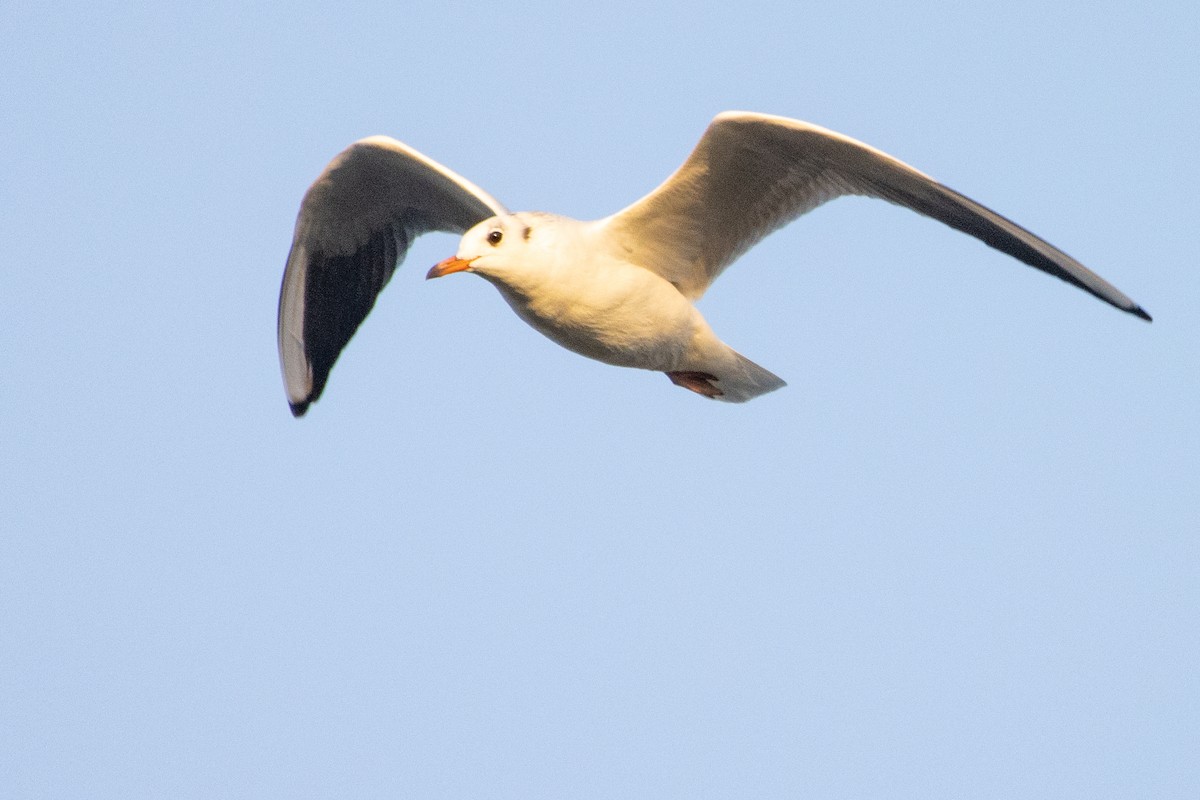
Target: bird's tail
x,y
745,380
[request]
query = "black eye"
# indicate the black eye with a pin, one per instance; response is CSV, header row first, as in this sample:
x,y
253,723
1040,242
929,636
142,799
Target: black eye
x,y
494,237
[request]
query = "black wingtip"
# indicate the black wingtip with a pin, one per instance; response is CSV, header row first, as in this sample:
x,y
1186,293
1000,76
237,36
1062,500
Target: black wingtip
x,y
298,409
1138,311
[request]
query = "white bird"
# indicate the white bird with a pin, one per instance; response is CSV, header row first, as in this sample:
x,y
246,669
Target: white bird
x,y
619,289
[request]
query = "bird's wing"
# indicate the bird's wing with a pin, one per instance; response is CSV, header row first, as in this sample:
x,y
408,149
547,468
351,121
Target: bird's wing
x,y
750,174
354,228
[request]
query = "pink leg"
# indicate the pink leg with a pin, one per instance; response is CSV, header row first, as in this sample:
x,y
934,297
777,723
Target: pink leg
x,y
698,382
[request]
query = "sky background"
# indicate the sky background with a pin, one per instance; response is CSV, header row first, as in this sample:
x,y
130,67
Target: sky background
x,y
956,558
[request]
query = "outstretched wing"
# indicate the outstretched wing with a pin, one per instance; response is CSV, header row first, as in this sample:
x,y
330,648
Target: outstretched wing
x,y
750,174
355,225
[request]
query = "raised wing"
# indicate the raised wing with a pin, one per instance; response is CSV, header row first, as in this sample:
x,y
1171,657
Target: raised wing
x,y
355,225
750,174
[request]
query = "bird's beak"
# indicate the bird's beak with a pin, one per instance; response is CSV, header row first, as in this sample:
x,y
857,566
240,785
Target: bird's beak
x,y
451,264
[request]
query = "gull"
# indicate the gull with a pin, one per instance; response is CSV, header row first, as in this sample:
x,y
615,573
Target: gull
x,y
619,289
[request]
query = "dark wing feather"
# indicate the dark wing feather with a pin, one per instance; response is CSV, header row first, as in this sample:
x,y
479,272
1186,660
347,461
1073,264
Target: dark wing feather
x,y
355,226
338,295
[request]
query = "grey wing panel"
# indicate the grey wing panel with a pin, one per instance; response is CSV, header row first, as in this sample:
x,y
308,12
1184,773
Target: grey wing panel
x,y
747,176
355,226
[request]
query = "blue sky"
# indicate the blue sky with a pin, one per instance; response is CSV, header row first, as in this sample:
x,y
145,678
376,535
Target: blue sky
x,y
956,557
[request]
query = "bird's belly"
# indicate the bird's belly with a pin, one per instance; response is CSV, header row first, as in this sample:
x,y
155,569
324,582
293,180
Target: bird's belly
x,y
639,321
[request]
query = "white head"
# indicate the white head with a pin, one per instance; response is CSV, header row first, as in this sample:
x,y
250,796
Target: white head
x,y
499,249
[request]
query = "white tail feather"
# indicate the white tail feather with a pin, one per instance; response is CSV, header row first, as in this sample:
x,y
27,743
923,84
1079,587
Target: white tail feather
x,y
744,380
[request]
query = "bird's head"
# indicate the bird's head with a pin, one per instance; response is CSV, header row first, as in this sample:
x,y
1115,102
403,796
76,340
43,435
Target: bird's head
x,y
493,249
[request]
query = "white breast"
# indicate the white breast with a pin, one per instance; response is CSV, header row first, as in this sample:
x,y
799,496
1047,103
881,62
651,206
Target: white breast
x,y
608,310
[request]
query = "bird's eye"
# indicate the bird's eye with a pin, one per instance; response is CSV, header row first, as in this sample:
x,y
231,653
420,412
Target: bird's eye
x,y
494,237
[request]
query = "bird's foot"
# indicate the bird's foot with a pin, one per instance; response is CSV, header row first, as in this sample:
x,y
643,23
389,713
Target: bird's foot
x,y
698,382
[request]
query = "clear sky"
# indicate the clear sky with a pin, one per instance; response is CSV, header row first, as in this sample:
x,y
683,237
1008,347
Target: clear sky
x,y
956,558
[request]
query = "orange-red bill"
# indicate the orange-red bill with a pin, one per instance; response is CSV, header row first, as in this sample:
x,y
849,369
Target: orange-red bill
x,y
451,264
